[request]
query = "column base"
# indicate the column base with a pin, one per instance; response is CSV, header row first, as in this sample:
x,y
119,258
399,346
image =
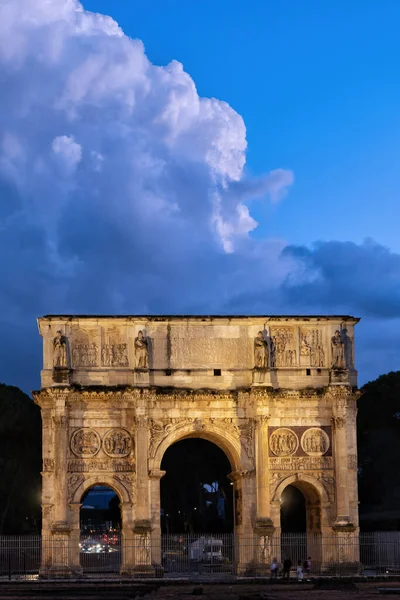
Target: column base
x,y
59,573
263,377
62,375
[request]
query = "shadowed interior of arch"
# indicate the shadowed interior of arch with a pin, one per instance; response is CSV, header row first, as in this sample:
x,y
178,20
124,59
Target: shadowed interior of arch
x,y
293,511
196,494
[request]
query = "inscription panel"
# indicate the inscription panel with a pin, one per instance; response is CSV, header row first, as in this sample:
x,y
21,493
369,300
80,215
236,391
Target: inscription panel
x,y
300,463
90,466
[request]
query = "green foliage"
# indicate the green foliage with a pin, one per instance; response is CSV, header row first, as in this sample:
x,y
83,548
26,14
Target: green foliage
x,y
378,428
20,462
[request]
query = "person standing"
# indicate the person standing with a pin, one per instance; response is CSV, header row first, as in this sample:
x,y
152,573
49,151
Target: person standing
x,y
307,566
274,569
300,575
287,565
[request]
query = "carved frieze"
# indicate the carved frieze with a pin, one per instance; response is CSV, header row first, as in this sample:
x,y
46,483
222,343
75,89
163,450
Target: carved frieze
x,y
328,481
300,463
160,429
117,443
74,481
228,424
283,442
85,442
114,355
275,479
127,479
84,355
247,437
311,348
91,466
283,347
315,441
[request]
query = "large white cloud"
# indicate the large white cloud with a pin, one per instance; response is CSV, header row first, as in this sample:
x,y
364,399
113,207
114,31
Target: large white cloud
x,y
121,190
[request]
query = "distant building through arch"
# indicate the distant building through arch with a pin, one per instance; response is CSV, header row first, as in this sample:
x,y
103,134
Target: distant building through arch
x,y
277,394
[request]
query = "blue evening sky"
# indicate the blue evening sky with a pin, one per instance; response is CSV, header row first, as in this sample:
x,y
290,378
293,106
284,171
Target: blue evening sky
x,y
119,190
318,85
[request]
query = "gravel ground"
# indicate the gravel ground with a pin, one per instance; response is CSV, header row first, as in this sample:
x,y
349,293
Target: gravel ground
x,y
248,591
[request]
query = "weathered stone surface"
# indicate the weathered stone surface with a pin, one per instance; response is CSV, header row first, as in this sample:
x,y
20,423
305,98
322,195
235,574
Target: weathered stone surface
x,y
262,388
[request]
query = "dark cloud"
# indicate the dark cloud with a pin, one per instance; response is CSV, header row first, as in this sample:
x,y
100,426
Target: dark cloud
x,y
122,191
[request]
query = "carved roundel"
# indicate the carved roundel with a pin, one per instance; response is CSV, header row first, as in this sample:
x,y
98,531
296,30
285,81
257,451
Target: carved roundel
x,y
283,442
85,442
117,443
315,441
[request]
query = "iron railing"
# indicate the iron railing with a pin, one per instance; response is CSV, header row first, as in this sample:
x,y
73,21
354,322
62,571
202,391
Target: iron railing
x,y
211,555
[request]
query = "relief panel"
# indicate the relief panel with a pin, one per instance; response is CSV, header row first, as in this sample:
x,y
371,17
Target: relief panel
x,y
312,352
283,347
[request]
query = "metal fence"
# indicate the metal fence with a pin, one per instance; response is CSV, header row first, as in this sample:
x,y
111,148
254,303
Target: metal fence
x,y
215,555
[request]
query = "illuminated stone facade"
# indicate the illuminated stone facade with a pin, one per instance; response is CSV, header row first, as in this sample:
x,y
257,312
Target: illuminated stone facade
x,y
277,394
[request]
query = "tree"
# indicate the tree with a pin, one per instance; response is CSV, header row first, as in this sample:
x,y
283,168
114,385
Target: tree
x,y
378,428
20,462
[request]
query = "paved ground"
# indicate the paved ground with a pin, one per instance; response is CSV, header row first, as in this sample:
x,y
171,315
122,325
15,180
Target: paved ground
x,y
137,591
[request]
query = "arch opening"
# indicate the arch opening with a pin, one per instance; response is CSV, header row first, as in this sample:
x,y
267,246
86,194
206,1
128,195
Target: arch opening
x,y
293,510
300,516
100,529
196,493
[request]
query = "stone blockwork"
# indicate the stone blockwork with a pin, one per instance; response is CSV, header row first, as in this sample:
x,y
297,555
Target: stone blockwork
x,y
278,395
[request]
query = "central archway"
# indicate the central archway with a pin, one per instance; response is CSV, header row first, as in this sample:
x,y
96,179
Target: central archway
x,y
196,493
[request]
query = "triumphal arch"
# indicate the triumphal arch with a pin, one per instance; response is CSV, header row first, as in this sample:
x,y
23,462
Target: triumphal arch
x,y
276,394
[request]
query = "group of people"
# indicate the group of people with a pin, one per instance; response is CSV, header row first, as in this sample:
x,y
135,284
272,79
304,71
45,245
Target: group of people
x,y
303,568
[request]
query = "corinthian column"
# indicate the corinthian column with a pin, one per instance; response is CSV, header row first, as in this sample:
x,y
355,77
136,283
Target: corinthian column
x,y
142,516
341,452
264,524
60,423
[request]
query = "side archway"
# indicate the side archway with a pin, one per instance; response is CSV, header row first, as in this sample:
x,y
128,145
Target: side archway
x,y
297,544
312,489
107,480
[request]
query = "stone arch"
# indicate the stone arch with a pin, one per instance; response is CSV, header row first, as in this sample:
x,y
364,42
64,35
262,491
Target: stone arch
x,y
218,436
316,500
313,490
108,480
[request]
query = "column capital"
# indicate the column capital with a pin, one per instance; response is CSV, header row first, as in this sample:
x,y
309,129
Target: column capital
x,y
140,421
262,420
339,422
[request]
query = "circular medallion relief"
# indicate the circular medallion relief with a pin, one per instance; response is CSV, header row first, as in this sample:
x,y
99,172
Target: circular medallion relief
x,y
283,442
117,443
85,442
315,441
